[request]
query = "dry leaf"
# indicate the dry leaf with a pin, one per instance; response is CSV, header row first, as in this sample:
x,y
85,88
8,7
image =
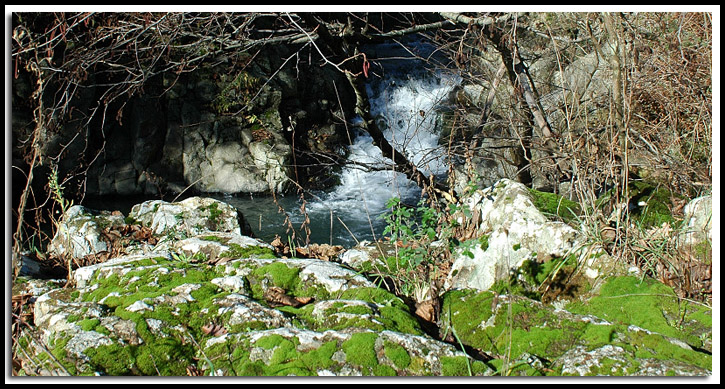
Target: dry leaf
x,y
193,371
426,310
276,296
213,329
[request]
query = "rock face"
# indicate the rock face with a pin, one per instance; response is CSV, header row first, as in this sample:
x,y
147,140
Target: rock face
x,y
197,297
223,128
515,231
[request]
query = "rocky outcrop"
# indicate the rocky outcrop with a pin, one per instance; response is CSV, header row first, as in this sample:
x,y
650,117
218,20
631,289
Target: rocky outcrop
x,y
592,337
513,230
211,301
227,127
197,297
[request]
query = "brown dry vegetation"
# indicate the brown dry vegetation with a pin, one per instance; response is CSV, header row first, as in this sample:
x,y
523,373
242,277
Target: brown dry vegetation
x,y
656,123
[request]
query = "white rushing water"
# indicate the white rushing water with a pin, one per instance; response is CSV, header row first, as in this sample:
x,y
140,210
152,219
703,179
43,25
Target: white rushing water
x,y
405,103
405,97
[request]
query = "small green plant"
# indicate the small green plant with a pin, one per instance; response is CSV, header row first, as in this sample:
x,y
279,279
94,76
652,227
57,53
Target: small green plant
x,y
412,231
236,92
56,190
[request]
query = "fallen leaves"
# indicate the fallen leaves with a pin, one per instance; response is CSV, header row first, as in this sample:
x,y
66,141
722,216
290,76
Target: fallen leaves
x,y
120,236
428,310
213,329
277,297
323,251
22,308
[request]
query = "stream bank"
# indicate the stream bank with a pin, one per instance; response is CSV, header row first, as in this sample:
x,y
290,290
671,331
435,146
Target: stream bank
x,y
181,291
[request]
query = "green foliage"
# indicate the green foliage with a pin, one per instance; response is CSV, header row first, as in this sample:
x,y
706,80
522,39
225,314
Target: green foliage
x,y
413,231
236,92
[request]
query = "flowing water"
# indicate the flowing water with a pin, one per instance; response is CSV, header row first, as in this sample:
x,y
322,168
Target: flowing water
x,y
405,97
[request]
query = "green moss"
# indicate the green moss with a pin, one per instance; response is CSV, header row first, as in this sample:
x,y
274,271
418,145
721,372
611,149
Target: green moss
x,y
465,311
114,359
285,351
277,274
156,353
645,303
656,199
89,324
212,238
373,295
655,307
397,354
555,205
461,366
320,358
360,350
237,251
658,203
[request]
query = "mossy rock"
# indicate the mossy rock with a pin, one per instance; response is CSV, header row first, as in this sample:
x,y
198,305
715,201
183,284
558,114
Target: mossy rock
x,y
650,305
554,205
296,352
636,324
153,315
345,314
650,204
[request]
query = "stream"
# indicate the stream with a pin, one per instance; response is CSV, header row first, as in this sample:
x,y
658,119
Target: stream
x,y
406,97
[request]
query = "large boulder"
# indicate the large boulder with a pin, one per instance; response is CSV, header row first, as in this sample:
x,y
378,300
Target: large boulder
x,y
153,224
513,231
80,232
230,157
189,217
178,313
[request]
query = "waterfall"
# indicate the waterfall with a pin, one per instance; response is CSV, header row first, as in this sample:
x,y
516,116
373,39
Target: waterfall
x,y
405,101
405,97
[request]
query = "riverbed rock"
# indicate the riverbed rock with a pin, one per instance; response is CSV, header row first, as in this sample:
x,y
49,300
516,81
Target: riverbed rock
x,y
152,225
189,217
626,329
513,231
80,232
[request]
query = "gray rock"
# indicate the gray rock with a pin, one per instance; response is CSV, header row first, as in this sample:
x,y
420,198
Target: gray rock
x,y
697,226
189,217
80,232
516,231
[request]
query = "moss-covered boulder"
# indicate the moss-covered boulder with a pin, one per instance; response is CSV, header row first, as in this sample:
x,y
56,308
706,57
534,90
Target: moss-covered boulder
x,y
355,352
629,327
242,312
515,231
